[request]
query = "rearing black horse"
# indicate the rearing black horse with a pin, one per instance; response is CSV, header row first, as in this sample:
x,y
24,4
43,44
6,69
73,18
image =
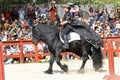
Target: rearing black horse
x,y
49,34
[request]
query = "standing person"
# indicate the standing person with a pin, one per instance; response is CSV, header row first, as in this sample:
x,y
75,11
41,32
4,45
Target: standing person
x,y
96,14
104,14
53,11
14,14
91,16
67,20
37,14
111,13
8,15
30,15
117,14
21,13
43,10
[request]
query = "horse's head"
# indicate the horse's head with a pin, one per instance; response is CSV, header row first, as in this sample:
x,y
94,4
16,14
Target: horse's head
x,y
37,36
43,32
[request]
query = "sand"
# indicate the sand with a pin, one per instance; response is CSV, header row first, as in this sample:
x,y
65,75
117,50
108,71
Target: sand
x,y
35,71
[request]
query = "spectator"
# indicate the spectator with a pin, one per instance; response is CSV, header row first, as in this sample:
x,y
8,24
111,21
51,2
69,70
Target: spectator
x,y
24,24
43,10
53,11
37,13
8,52
14,14
31,15
13,33
96,14
105,11
21,13
6,25
7,15
103,18
117,15
2,17
91,16
111,13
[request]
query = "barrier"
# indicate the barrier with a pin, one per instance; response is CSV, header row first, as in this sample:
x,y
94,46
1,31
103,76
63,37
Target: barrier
x,y
21,55
106,42
2,74
112,75
36,55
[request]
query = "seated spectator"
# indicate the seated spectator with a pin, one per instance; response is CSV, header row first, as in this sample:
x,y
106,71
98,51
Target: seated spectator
x,y
6,25
15,49
13,33
102,18
8,52
24,24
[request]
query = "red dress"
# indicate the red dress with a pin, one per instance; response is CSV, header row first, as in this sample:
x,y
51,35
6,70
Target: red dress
x,y
53,12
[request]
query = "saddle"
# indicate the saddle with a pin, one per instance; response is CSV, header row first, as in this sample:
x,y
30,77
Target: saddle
x,y
71,36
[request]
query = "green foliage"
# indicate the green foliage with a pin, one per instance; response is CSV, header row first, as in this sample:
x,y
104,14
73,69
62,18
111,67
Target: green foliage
x,y
92,1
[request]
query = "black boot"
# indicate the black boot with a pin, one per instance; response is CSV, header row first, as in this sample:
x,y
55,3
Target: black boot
x,y
66,42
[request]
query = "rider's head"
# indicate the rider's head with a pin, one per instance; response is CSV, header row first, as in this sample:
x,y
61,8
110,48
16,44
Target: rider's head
x,y
66,8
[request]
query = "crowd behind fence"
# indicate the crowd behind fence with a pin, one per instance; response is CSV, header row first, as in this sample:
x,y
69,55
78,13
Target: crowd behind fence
x,y
16,23
40,53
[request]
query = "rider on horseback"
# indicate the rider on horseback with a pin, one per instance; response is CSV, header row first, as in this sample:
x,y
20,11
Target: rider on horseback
x,y
67,20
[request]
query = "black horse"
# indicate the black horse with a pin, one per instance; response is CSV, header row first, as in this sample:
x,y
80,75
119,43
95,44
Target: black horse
x,y
49,34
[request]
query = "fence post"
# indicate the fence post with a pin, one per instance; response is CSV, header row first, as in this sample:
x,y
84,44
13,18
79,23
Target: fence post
x,y
112,75
36,52
2,74
21,51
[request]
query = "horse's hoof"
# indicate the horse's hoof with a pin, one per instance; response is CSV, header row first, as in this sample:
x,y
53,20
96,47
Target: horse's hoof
x,y
49,72
65,68
81,71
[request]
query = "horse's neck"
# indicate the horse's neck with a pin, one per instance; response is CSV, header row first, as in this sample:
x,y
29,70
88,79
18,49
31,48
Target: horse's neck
x,y
50,35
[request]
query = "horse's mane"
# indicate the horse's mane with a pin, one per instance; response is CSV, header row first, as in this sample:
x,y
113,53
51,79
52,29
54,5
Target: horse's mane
x,y
44,28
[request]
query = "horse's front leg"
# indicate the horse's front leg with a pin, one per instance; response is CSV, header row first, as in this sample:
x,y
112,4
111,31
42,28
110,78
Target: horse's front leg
x,y
50,71
58,57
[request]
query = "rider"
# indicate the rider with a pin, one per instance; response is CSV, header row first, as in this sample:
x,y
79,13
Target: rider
x,y
67,20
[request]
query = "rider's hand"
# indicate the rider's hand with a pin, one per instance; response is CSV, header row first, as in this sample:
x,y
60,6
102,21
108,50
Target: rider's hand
x,y
64,22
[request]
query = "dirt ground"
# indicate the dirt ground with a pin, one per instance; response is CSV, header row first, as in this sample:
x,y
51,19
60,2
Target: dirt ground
x,y
35,71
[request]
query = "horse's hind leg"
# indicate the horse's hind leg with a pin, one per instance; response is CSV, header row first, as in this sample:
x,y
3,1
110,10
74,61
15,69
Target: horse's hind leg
x,y
50,71
58,57
85,58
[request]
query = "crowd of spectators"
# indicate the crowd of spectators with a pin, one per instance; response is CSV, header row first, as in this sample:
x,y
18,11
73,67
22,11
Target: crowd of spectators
x,y
105,22
17,23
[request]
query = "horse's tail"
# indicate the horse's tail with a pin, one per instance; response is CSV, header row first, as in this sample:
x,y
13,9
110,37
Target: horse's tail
x,y
97,58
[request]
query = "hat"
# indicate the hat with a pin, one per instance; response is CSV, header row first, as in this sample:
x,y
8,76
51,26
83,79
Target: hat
x,y
66,6
53,2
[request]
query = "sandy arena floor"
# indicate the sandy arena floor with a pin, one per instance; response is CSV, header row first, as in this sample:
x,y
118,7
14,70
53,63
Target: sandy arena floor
x,y
35,71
